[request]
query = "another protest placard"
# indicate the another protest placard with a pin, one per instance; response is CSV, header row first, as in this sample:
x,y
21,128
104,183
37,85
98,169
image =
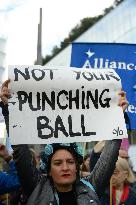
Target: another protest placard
x,y
64,105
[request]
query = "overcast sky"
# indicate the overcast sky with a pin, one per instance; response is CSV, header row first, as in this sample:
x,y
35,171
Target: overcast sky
x,y
19,20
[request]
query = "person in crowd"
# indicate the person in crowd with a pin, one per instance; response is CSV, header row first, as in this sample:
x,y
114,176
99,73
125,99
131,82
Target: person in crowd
x,y
85,169
122,178
36,157
122,181
123,153
8,181
122,191
62,185
18,197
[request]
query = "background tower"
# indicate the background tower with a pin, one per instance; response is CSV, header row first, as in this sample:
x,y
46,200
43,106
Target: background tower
x,y
39,41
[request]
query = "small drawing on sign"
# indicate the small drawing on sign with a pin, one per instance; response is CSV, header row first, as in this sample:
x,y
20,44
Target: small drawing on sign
x,y
118,131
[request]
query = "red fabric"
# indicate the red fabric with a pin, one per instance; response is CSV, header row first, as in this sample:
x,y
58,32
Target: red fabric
x,y
124,195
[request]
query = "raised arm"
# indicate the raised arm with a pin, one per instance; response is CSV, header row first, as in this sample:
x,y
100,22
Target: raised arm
x,y
102,172
24,162
95,154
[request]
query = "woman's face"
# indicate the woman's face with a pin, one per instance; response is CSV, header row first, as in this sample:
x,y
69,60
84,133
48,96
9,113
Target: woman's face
x,y
63,170
118,178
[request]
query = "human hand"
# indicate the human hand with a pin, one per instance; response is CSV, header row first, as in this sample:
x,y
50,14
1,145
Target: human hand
x,y
5,94
4,154
123,101
85,174
99,146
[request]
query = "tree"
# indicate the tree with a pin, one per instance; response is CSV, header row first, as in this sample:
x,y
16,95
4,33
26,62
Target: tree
x,y
117,2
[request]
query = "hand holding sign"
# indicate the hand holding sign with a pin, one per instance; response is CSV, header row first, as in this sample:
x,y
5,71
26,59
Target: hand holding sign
x,y
5,94
123,101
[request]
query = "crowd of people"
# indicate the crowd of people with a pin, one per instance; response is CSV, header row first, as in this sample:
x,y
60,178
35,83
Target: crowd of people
x,y
63,176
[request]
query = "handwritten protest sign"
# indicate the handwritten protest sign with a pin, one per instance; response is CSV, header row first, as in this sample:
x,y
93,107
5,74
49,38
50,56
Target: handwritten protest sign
x,y
64,105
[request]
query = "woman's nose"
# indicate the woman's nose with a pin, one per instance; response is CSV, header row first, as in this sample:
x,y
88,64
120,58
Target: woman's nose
x,y
64,166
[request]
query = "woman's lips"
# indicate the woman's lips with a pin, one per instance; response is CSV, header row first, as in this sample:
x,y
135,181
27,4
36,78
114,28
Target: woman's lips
x,y
66,175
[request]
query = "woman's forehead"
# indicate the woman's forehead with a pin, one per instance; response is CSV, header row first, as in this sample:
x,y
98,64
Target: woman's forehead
x,y
62,154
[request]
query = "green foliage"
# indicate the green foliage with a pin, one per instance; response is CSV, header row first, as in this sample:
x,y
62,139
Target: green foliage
x,y
47,58
117,2
107,10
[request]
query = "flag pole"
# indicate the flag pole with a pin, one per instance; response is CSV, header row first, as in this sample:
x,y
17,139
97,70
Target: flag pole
x,y
110,191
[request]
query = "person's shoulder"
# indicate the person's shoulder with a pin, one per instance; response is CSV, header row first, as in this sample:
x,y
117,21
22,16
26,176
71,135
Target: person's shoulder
x,y
133,186
1,104
3,177
43,178
133,193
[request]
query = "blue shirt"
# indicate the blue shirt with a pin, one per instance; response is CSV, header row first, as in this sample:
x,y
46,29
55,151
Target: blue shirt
x,y
9,181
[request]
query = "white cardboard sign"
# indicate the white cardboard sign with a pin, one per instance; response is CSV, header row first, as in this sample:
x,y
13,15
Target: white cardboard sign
x,y
50,105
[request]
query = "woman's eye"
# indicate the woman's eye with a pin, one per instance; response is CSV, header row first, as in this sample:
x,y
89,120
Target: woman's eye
x,y
57,163
71,162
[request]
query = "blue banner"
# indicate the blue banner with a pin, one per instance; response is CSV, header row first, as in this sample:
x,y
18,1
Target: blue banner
x,y
118,56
